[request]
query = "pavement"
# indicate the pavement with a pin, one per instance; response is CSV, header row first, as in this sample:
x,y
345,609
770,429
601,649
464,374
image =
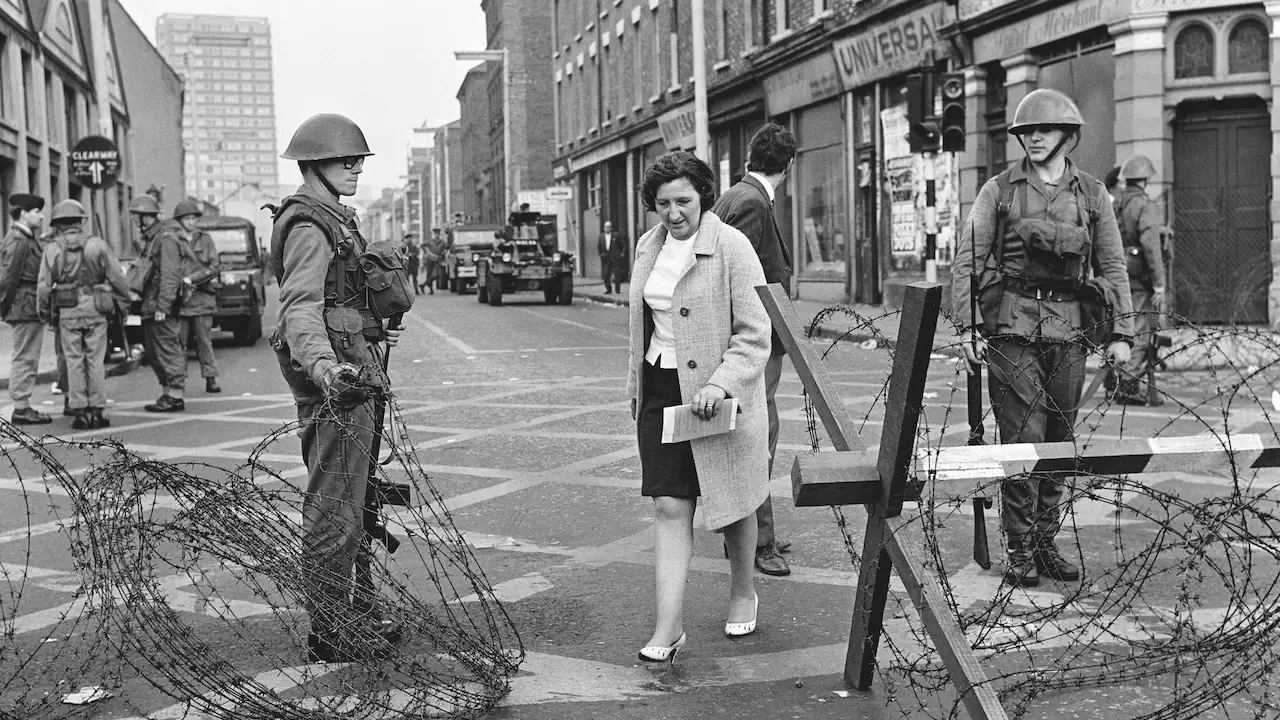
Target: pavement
x,y
519,418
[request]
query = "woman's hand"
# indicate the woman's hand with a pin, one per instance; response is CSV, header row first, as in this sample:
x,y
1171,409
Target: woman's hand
x,y
706,402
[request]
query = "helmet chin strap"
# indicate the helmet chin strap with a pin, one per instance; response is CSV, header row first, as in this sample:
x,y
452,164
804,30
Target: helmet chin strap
x,y
323,180
1056,148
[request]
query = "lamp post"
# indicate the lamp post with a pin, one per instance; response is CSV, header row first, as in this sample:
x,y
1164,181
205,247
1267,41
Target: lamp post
x,y
503,57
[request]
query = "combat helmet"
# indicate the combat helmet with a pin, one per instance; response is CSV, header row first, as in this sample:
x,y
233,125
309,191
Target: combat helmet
x,y
187,207
1137,167
1045,107
325,137
68,210
144,205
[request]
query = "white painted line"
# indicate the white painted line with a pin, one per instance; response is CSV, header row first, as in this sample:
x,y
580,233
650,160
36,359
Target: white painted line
x,y
566,321
516,589
457,343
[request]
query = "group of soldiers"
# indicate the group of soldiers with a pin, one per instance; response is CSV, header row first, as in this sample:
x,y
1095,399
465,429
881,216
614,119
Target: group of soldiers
x,y
1039,236
71,281
426,259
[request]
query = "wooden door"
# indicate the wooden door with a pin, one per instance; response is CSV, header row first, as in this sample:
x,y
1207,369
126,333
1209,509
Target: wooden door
x,y
1221,195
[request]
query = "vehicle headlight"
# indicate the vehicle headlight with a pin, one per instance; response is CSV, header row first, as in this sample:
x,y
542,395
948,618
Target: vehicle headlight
x,y
506,257
230,278
555,258
475,257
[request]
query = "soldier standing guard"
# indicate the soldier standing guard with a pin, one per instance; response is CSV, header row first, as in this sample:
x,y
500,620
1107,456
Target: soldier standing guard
x,y
200,271
160,303
1035,232
80,284
1141,228
328,342
19,274
147,210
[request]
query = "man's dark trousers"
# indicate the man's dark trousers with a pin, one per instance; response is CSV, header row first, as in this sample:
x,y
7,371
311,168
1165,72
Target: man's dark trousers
x,y
611,270
1035,392
764,513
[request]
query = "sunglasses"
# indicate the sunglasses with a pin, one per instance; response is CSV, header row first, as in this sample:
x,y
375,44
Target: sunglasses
x,y
352,163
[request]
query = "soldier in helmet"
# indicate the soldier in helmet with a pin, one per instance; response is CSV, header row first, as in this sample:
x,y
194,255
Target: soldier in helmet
x,y
328,342
1141,227
20,256
200,272
1034,233
160,303
80,284
147,211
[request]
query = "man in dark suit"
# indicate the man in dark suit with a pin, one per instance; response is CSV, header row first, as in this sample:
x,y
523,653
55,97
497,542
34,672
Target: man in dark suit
x,y
748,206
613,258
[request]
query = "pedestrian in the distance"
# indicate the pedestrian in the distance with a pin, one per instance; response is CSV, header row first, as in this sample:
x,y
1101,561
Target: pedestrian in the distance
x,y
160,302
80,285
413,258
20,255
1058,228
201,269
748,206
612,247
699,336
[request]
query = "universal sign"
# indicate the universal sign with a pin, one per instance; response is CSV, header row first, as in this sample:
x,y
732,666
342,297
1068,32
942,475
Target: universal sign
x,y
891,48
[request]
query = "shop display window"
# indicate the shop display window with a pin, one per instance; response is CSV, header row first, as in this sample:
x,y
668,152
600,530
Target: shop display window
x,y
821,193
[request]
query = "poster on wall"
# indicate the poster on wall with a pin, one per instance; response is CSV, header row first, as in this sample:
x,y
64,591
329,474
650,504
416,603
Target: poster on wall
x,y
899,171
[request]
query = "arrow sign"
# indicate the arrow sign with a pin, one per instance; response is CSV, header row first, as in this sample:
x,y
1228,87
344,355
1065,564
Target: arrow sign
x,y
95,162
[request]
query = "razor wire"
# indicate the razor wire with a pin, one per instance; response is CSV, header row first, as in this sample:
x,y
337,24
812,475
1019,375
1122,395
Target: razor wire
x,y
192,578
1179,600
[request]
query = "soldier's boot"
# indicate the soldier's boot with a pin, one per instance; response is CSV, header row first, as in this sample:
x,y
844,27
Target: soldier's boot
x,y
29,416
97,420
211,385
1021,566
1051,564
166,404
81,421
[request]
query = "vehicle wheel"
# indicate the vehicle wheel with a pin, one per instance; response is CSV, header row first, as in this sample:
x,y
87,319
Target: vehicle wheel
x,y
566,290
453,285
551,292
482,294
495,291
248,331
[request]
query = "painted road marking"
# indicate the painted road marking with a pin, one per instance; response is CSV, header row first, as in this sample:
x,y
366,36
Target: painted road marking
x,y
456,342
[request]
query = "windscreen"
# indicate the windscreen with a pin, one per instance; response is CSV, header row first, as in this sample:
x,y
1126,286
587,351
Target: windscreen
x,y
230,240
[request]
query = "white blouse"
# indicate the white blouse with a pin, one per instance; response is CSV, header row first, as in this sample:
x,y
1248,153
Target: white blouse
x,y
673,260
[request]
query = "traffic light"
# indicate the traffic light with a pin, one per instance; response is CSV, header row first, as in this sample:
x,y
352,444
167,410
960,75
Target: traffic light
x,y
953,130
922,133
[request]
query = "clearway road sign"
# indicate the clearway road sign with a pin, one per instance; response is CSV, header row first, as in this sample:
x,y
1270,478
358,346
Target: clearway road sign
x,y
95,162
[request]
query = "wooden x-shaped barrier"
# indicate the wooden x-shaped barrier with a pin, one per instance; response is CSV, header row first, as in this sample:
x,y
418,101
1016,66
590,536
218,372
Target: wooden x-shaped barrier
x,y
879,480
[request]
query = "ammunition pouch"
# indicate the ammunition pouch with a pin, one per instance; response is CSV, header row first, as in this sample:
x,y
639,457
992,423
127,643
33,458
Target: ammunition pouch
x,y
387,282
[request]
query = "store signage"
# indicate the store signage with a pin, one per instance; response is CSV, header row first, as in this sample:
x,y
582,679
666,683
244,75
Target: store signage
x,y
973,8
801,84
597,155
560,193
1156,6
679,127
892,47
1058,23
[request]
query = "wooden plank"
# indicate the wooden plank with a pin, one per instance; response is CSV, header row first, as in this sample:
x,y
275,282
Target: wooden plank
x,y
919,319
835,479
809,366
966,674
897,451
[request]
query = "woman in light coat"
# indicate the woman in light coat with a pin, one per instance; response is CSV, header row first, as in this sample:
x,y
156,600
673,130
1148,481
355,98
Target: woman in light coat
x,y
699,335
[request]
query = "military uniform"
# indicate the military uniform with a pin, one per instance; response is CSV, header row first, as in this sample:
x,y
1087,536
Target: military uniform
x,y
76,261
169,360
197,312
1140,228
433,252
1054,234
20,255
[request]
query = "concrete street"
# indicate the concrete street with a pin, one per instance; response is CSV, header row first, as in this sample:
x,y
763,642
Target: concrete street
x,y
522,423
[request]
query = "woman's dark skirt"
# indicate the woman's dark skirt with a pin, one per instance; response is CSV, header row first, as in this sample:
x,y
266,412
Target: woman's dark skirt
x,y
666,470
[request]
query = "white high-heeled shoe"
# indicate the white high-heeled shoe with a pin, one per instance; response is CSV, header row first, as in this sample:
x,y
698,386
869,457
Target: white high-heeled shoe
x,y
737,630
660,654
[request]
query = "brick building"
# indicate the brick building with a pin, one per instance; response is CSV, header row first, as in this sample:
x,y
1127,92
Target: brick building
x,y
522,27
1189,83
55,65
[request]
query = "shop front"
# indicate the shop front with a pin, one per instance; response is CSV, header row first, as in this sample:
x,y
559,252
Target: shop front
x,y
887,179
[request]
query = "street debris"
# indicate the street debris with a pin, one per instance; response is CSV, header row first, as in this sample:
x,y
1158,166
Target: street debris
x,y
85,695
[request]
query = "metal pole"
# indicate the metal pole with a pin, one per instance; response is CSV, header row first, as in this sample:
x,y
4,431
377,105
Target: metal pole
x,y
930,219
702,133
506,128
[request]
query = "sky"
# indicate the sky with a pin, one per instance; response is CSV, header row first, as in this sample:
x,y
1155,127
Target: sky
x,y
387,64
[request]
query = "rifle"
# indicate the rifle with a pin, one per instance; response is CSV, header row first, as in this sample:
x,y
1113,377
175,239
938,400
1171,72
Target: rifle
x,y
377,494
981,550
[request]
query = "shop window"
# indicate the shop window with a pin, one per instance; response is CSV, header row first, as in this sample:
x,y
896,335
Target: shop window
x,y
997,120
1247,47
593,190
781,17
821,190
1193,52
